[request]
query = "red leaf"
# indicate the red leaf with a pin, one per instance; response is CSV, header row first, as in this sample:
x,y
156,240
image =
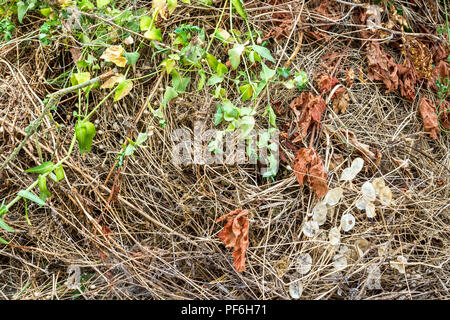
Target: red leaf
x,y
382,66
326,83
235,234
429,116
408,80
308,110
308,162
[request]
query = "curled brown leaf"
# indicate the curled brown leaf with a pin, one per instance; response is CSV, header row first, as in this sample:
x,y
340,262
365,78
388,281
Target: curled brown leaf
x,y
308,162
235,234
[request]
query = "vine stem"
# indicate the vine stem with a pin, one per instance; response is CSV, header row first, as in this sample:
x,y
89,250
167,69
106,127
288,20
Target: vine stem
x,y
53,100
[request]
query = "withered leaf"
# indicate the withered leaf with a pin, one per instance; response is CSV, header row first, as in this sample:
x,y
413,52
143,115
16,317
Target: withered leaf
x,y
326,83
308,162
308,109
235,234
429,116
408,80
381,66
340,100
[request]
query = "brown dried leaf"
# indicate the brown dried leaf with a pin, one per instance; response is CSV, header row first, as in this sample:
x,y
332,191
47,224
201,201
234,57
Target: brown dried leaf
x,y
308,109
408,80
429,116
326,83
307,161
381,66
340,100
349,77
235,234
444,114
114,54
347,137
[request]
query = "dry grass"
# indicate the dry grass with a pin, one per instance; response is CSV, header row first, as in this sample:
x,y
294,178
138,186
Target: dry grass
x,y
163,242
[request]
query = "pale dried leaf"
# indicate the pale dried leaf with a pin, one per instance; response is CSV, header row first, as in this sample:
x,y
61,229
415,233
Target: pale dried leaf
x,y
368,191
347,222
334,196
399,264
304,263
320,213
310,228
385,196
334,236
296,289
370,210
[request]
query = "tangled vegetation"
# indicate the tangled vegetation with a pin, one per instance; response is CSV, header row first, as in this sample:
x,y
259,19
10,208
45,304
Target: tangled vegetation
x,y
351,103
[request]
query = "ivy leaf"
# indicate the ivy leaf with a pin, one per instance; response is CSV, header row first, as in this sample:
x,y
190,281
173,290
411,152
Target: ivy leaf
x,y
230,111
301,80
247,124
43,168
212,61
221,69
145,23
202,80
102,3
123,89
22,9
272,115
218,116
179,83
169,94
30,196
263,52
266,73
171,5
153,34
253,56
235,55
246,92
284,72
132,57
237,4
214,79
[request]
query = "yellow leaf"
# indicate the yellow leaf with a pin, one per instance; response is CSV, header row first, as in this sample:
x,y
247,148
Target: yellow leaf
x,y
108,84
114,54
160,6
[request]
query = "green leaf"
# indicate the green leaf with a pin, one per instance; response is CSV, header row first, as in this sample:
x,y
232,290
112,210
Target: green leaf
x,y
179,83
186,1
86,5
132,57
142,137
43,168
237,4
84,133
246,92
266,73
202,80
235,55
169,64
102,3
272,115
3,241
230,111
153,34
22,9
247,124
253,56
284,72
212,61
221,69
171,5
169,94
46,12
218,116
263,52
59,172
223,35
5,226
145,23
30,196
301,80
123,89
214,79
43,191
